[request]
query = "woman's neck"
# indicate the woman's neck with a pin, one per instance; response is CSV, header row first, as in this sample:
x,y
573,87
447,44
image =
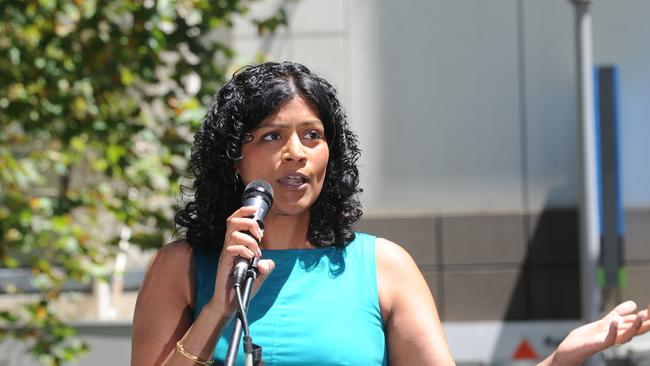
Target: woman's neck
x,y
286,232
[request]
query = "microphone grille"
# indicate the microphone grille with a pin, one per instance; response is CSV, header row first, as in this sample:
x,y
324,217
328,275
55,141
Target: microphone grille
x,y
260,188
260,185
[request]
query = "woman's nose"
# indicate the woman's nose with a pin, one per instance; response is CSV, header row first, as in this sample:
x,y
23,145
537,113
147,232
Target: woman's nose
x,y
294,150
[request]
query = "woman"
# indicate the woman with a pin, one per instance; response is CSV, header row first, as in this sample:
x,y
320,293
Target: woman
x,y
335,296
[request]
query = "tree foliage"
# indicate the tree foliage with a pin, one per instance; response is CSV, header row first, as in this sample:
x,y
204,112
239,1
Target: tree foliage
x,y
98,102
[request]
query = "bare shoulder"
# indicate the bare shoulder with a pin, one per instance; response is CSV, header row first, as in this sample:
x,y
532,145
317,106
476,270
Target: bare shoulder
x,y
413,331
396,271
172,267
173,259
393,259
175,253
163,310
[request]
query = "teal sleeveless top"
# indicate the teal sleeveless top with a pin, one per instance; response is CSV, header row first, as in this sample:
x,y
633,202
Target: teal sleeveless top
x,y
318,307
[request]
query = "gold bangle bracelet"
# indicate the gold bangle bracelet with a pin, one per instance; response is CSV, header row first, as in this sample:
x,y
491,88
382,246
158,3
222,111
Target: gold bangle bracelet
x,y
182,351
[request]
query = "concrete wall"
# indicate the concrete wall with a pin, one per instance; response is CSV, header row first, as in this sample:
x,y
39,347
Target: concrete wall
x,y
472,102
508,266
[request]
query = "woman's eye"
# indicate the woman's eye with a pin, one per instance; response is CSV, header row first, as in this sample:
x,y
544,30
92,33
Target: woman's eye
x,y
271,136
313,135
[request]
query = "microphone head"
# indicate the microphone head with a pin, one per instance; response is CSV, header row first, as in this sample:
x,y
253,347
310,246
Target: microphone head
x,y
259,188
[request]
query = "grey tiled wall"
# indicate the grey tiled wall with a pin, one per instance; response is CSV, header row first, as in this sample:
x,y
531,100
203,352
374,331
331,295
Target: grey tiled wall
x,y
637,239
510,266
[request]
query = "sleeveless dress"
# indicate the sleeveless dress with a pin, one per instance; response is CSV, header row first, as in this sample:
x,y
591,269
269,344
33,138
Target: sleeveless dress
x,y
318,307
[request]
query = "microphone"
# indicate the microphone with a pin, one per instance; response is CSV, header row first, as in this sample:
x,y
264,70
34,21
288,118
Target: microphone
x,y
258,194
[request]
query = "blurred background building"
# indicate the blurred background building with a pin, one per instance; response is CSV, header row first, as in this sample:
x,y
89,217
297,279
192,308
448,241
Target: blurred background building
x,y
467,116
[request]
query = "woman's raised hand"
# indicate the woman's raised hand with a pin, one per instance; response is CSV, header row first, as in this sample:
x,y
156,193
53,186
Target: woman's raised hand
x,y
238,243
617,327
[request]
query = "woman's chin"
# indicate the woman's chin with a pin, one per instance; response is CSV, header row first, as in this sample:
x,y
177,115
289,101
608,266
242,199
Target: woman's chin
x,y
291,209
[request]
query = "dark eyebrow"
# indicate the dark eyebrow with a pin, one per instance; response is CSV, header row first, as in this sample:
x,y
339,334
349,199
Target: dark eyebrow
x,y
280,125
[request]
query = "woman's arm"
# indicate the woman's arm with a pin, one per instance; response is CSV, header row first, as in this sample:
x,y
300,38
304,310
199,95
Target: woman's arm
x,y
617,327
413,331
163,312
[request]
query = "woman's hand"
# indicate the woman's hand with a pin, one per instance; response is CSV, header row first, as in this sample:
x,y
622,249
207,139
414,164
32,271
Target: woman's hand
x,y
617,327
237,243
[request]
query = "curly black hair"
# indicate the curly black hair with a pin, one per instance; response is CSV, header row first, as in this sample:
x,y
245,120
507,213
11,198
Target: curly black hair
x,y
252,94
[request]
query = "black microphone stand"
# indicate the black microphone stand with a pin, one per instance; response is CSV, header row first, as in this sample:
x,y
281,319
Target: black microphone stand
x,y
252,352
259,194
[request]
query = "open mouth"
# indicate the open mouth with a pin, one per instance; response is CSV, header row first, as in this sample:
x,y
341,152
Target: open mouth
x,y
294,181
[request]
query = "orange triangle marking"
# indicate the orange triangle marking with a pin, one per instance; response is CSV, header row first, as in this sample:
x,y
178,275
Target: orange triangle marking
x,y
525,351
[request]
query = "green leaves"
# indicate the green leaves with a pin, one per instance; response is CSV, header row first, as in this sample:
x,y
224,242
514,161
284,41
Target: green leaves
x,y
98,103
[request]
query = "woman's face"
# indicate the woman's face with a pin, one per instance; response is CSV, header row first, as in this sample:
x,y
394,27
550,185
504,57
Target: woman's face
x,y
288,149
